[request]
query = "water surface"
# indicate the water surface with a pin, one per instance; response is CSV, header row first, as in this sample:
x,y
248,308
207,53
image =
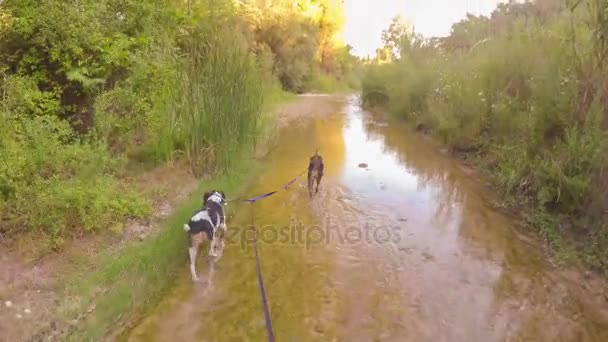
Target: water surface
x,y
407,248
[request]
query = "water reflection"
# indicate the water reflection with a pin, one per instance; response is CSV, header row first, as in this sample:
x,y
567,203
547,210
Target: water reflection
x,y
473,279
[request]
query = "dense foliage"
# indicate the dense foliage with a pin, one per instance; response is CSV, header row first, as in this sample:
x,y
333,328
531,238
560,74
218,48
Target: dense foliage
x,y
525,93
91,86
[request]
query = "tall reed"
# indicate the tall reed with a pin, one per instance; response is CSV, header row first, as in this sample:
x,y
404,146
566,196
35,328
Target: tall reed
x,y
212,109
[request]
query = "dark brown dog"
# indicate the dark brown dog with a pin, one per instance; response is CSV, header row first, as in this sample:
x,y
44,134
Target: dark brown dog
x,y
315,172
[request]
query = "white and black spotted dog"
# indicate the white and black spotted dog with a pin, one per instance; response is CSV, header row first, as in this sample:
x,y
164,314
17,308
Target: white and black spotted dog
x,y
208,223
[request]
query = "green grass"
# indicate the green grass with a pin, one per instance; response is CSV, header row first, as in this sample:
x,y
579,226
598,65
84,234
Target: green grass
x,y
328,84
125,286
214,106
524,107
276,96
122,287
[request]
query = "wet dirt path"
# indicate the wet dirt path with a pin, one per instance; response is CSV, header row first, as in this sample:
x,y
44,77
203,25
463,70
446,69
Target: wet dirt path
x,y
404,249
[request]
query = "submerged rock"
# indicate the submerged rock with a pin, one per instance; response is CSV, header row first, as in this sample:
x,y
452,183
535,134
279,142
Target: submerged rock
x,y
363,165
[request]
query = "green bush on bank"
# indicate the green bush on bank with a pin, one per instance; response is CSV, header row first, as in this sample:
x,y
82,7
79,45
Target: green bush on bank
x,y
59,60
51,181
523,92
90,87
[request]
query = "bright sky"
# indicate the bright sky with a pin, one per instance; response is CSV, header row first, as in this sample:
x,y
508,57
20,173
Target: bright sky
x,y
365,19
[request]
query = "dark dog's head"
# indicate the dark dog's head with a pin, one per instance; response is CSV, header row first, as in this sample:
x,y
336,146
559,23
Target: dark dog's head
x,y
215,196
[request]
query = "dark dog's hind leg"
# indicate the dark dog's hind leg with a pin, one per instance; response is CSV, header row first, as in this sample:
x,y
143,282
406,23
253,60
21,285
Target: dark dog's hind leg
x,y
310,185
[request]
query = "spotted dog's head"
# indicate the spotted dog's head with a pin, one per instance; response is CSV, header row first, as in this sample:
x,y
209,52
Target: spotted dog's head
x,y
214,196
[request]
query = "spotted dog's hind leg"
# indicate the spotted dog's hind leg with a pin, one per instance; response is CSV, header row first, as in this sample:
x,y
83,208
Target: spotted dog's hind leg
x,y
220,235
192,251
213,245
195,242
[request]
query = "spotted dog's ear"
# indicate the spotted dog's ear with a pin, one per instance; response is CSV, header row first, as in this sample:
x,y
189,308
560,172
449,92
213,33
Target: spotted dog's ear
x,y
223,196
206,197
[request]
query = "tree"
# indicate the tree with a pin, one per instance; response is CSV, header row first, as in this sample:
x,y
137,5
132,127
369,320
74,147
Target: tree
x,y
301,37
395,37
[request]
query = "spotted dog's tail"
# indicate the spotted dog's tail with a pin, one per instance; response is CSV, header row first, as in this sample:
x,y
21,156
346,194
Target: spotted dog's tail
x,y
186,227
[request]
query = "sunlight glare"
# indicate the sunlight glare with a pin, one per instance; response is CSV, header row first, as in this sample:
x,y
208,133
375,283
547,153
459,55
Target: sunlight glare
x,y
365,19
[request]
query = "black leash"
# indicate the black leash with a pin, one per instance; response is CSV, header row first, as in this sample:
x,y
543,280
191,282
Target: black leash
x,y
268,194
252,201
260,278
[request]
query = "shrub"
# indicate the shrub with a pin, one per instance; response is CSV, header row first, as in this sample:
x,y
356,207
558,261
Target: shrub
x,y
53,182
525,92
